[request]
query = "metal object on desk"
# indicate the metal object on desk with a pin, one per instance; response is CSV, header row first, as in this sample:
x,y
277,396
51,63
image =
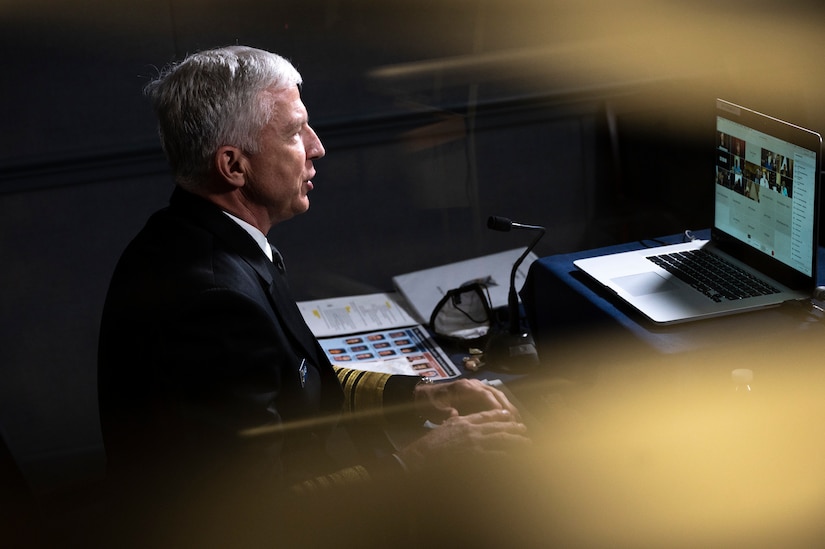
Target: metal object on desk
x,y
513,350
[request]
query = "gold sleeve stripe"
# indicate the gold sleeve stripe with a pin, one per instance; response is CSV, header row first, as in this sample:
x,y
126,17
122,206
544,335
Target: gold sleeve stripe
x,y
364,390
342,478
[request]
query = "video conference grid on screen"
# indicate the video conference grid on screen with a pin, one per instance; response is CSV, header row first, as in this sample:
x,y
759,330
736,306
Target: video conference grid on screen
x,y
765,193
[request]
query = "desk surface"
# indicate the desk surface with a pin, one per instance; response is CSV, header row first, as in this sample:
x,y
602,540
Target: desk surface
x,y
561,302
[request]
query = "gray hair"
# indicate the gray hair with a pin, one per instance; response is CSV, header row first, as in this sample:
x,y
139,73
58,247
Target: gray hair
x,y
215,98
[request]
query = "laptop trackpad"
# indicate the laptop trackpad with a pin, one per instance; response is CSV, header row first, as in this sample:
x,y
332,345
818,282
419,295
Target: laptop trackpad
x,y
644,283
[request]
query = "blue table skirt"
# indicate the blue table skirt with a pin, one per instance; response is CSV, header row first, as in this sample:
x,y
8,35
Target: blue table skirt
x,y
561,302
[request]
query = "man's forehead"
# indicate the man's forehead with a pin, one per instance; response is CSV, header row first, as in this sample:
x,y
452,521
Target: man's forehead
x,y
288,101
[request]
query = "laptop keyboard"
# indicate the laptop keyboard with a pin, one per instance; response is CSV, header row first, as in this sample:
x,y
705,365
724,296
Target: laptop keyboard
x,y
712,275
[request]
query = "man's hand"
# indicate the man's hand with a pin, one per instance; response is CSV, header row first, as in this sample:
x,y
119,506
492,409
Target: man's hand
x,y
466,439
440,401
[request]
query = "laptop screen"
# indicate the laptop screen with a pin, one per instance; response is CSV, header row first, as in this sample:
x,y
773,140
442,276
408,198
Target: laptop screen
x,y
766,181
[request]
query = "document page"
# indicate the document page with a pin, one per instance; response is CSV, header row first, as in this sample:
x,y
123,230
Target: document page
x,y
353,314
374,332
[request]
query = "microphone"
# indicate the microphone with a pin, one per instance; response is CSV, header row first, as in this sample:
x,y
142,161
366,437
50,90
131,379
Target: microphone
x,y
515,348
498,223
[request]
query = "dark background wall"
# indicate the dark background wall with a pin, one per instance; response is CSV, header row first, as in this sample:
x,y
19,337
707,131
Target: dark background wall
x,y
591,118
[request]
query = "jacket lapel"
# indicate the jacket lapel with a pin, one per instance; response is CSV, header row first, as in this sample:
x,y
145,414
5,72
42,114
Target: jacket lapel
x,y
272,279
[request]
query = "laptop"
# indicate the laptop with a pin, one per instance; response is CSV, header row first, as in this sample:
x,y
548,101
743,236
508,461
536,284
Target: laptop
x,y
765,226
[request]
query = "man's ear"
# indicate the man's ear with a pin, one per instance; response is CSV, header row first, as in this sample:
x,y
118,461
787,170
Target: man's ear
x,y
231,165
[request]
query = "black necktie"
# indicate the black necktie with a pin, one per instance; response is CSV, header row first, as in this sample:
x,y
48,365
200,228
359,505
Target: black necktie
x,y
287,303
278,260
298,327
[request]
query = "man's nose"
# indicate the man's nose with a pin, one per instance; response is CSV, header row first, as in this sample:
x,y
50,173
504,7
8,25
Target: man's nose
x,y
315,148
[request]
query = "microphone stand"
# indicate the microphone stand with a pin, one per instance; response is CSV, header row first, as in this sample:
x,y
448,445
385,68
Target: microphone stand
x,y
513,350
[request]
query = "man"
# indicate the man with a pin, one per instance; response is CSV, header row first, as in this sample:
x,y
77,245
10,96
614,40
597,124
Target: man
x,y
207,372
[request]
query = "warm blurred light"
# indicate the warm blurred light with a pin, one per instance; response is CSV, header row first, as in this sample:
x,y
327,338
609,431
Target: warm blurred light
x,y
663,452
767,52
641,450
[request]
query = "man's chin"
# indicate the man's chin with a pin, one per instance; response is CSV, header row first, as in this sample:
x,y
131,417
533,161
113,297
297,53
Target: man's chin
x,y
303,207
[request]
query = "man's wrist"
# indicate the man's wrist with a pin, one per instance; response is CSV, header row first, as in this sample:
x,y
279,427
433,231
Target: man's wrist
x,y
425,380
420,398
